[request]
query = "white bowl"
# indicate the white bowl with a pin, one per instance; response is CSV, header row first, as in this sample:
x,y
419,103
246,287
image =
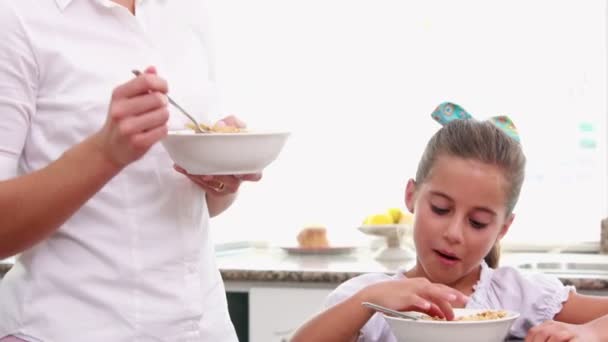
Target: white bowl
x,y
470,331
224,153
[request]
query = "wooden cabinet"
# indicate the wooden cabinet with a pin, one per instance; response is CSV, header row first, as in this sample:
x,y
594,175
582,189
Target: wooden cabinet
x,y
275,313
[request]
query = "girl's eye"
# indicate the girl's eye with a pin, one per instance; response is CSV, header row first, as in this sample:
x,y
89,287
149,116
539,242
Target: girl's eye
x,y
439,211
477,224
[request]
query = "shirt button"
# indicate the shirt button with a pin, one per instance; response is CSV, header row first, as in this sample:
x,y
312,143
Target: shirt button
x,y
191,268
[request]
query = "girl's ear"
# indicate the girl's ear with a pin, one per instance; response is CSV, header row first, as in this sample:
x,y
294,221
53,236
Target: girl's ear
x,y
410,195
505,227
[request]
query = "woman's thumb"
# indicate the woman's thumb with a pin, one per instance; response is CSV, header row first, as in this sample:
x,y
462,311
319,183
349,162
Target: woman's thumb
x,y
150,70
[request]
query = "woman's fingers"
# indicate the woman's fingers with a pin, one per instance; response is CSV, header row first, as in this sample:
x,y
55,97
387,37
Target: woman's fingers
x,y
231,121
137,118
142,84
143,141
150,70
217,185
144,122
250,177
138,105
225,185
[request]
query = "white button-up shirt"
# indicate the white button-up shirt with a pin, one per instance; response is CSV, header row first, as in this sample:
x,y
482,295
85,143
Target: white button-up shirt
x,y
136,262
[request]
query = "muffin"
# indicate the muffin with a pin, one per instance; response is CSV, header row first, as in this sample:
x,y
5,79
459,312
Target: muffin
x,y
313,237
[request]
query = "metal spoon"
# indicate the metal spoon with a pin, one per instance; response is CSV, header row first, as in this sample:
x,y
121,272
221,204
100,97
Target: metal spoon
x,y
197,128
391,312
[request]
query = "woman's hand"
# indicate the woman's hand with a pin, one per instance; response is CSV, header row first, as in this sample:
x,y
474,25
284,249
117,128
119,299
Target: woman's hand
x,y
553,331
415,294
137,119
222,185
230,121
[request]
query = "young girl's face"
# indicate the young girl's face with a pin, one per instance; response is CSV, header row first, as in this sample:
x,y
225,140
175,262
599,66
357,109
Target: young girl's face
x,y
460,213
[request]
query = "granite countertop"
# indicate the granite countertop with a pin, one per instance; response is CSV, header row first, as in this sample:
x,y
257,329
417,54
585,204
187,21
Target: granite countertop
x,y
276,265
273,264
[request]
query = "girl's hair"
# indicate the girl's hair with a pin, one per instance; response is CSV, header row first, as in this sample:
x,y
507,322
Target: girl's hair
x,y
482,141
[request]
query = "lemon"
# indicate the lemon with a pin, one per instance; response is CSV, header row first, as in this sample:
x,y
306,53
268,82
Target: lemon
x,y
396,214
378,219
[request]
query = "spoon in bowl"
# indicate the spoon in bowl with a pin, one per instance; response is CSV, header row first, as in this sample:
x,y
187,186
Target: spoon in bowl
x,y
197,127
390,312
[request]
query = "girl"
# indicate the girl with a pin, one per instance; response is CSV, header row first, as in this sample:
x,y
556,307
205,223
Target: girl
x,y
467,184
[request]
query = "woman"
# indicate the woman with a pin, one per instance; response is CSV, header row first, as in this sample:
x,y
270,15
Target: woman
x,y
114,243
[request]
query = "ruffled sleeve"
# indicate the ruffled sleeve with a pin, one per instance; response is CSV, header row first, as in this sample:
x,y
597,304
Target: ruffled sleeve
x,y
376,329
536,296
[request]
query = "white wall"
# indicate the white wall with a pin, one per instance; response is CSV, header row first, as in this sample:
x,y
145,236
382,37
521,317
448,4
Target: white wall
x,y
355,81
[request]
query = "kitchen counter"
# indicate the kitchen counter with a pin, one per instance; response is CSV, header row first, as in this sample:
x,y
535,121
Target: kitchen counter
x,y
260,279
274,265
277,266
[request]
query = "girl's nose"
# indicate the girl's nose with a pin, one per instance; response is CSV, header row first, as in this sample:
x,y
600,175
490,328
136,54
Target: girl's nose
x,y
453,232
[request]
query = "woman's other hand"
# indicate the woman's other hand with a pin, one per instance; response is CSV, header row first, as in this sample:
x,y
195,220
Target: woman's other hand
x,y
220,185
415,294
137,118
230,121
553,331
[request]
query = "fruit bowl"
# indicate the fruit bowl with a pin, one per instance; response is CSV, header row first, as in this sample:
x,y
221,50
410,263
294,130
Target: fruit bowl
x,y
394,225
393,233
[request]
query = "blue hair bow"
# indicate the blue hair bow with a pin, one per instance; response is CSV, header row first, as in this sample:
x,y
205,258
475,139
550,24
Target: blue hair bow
x,y
447,112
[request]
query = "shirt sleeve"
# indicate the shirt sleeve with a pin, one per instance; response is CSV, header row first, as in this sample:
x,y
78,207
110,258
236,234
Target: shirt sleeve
x,y
536,296
376,329
18,89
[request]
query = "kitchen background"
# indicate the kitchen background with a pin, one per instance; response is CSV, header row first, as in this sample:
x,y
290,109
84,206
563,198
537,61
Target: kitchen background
x,y
355,82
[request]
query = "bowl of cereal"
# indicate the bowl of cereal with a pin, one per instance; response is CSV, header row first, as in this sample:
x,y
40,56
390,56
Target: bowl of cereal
x,y
470,325
229,152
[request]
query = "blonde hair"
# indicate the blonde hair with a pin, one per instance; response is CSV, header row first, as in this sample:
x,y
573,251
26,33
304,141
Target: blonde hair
x,y
482,141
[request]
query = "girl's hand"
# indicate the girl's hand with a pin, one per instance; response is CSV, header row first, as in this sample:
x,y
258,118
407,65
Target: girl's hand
x,y
415,294
553,331
220,185
137,119
224,184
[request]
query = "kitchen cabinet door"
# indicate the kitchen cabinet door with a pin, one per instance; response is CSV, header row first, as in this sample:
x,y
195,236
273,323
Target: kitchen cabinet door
x,y
275,313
